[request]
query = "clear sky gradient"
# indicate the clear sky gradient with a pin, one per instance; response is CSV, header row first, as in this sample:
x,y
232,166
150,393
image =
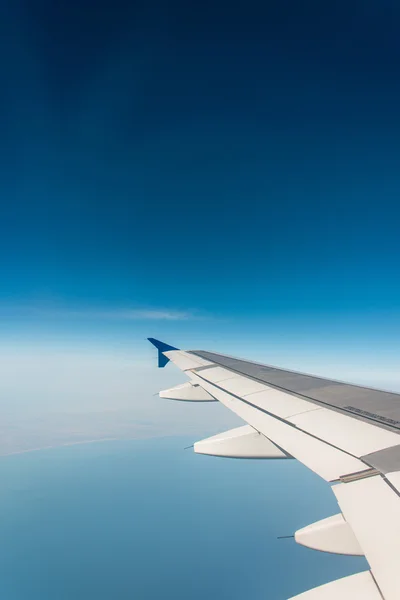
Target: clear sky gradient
x,y
238,160
217,176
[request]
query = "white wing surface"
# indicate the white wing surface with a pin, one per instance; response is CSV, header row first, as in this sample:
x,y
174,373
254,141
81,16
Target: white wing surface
x,y
347,434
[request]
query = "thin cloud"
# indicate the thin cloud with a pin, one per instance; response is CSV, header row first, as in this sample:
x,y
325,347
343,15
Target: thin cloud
x,y
144,314
117,314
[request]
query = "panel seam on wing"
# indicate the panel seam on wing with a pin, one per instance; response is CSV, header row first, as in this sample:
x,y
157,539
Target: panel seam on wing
x,y
304,412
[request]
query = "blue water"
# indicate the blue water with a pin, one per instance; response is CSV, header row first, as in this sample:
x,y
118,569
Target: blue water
x,y
147,520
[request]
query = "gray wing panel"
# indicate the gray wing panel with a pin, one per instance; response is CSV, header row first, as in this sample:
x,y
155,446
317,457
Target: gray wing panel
x,y
366,404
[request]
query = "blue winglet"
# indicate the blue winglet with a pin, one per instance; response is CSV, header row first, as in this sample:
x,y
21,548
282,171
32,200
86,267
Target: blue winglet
x,y
161,347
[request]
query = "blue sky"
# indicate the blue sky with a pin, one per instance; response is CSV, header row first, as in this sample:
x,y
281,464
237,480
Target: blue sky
x,y
219,176
225,177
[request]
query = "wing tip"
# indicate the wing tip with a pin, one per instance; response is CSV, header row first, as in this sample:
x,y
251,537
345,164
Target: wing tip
x,y
161,347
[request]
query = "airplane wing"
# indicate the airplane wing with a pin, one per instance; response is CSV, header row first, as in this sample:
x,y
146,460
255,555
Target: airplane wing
x,y
347,434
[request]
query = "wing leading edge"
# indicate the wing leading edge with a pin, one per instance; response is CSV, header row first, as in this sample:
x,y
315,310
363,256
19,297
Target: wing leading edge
x,y
347,434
